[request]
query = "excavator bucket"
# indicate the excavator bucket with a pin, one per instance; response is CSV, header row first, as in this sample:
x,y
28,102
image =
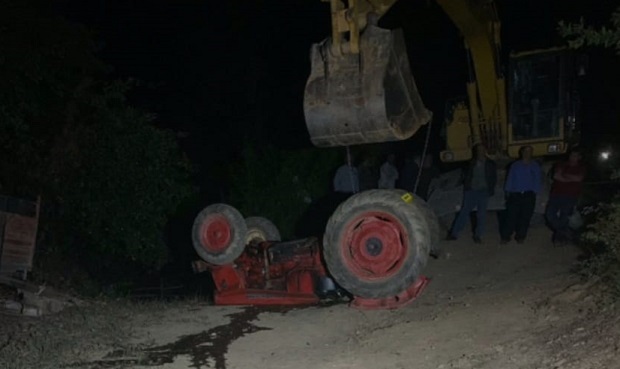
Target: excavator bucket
x,y
363,98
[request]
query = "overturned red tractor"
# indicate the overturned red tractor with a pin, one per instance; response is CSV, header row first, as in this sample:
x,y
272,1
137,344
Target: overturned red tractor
x,y
374,248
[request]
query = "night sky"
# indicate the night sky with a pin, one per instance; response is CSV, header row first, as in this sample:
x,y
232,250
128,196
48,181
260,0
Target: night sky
x,y
222,70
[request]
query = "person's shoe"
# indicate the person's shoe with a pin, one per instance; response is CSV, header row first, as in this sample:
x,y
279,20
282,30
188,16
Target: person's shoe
x,y
504,241
451,238
520,240
477,239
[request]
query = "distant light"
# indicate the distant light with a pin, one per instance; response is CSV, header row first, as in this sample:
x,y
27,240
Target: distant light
x,y
605,155
582,71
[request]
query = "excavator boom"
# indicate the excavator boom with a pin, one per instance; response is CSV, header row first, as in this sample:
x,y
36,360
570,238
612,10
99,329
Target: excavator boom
x,y
361,89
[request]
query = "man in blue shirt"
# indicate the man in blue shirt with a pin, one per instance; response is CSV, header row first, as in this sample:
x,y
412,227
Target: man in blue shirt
x,y
523,183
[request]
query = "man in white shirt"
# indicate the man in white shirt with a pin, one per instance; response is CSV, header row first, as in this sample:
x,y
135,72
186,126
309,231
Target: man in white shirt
x,y
388,173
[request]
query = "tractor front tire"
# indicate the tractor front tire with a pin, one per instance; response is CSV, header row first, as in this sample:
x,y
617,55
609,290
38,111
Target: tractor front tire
x,y
261,229
219,234
376,243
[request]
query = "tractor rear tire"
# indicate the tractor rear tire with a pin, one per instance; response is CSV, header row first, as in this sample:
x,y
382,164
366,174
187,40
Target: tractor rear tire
x,y
376,243
261,229
219,234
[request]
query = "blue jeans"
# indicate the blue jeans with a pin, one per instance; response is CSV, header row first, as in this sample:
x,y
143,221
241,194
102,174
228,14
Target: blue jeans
x,y
473,199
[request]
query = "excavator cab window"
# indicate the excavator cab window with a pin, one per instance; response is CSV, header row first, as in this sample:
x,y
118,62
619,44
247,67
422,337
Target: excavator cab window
x,y
538,93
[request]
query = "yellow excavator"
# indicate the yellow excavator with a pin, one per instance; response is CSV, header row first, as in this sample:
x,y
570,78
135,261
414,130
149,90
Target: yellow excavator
x,y
361,90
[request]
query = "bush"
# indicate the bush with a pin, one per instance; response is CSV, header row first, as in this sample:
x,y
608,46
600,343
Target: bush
x,y
108,178
603,238
129,181
580,34
110,188
281,185
604,231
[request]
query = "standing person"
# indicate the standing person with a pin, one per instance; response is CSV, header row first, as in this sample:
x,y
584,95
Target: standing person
x,y
565,191
346,180
479,184
409,173
388,173
523,183
367,174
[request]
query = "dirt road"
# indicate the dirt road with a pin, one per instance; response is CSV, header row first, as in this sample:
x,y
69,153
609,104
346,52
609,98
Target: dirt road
x,y
487,306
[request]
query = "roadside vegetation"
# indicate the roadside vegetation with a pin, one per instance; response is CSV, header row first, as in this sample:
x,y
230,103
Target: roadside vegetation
x,y
108,177
601,236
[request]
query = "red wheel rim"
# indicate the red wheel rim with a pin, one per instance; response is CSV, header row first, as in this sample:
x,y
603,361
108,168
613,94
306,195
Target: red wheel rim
x,y
374,246
215,233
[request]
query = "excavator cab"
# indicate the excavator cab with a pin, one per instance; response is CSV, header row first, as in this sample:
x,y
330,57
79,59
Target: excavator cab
x,y
362,97
543,101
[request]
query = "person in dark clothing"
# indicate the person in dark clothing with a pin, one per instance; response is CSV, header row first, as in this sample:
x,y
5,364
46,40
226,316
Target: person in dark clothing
x,y
565,191
409,174
523,183
479,182
367,175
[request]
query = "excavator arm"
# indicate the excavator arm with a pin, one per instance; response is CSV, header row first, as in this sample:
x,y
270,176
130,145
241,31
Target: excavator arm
x,y
533,108
478,23
348,20
361,90
353,97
